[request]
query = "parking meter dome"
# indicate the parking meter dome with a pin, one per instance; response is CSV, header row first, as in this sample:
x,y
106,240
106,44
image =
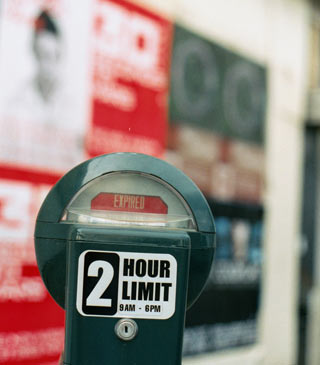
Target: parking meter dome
x,y
125,191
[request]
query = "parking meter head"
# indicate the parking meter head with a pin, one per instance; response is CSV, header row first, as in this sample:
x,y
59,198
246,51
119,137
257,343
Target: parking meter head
x,y
128,191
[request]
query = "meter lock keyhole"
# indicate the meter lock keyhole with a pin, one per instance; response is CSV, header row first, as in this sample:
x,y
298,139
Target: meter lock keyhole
x,y
126,329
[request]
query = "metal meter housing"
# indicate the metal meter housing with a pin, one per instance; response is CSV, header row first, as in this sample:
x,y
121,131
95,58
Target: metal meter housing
x,y
142,189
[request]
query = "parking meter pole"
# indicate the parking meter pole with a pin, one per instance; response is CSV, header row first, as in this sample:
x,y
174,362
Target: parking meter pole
x,y
124,243
94,340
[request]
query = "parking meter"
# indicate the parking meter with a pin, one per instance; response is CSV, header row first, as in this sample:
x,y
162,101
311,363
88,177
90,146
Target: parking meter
x,y
124,243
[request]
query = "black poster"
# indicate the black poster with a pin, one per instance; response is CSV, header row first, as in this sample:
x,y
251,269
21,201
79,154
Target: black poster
x,y
225,316
216,89
217,122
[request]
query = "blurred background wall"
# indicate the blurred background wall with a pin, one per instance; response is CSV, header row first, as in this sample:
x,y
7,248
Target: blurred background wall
x,y
225,90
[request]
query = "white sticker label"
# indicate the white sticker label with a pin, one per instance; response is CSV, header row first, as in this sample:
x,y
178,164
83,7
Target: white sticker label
x,y
126,284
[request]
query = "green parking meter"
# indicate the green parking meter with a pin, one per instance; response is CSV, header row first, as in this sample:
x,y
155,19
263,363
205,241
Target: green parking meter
x,y
124,243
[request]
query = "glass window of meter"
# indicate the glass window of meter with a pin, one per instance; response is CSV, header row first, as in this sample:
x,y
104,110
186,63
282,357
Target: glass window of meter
x,y
129,199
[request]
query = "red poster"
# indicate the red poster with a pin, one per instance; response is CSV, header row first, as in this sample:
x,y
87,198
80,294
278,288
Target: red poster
x,y
31,323
129,79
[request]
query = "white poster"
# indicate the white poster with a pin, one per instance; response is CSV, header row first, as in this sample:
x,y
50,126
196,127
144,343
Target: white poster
x,y
43,96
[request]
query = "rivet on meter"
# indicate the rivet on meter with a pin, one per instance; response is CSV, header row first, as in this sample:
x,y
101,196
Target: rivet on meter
x,y
126,329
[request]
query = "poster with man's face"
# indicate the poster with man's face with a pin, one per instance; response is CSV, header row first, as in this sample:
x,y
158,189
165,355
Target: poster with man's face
x,y
42,108
77,79
81,80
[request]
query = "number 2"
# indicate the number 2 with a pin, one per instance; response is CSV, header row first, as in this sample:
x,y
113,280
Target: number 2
x,y
94,298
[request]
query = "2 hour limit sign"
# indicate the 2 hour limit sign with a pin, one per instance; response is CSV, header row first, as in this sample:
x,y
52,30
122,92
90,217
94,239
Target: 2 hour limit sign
x,y
126,284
